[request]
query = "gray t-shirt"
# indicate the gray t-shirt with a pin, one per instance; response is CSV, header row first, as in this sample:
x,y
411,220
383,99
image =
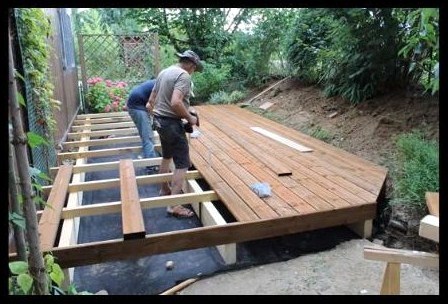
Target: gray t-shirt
x,y
168,80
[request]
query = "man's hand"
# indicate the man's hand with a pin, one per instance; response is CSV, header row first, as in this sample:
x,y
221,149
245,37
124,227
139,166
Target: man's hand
x,y
195,114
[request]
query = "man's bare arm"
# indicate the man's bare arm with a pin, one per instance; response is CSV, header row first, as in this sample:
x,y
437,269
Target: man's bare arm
x,y
151,101
178,107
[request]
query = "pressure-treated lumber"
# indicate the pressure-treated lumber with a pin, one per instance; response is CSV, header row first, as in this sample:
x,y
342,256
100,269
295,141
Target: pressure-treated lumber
x,y
432,201
115,182
281,139
131,212
391,280
103,120
402,256
70,227
51,216
112,250
429,228
113,165
112,125
209,216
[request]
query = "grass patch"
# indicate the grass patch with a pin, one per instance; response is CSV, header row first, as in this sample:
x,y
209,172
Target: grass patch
x,y
321,134
415,170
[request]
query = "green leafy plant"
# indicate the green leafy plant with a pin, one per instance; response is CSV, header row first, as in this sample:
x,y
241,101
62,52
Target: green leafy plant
x,y
21,281
35,28
106,95
321,134
416,169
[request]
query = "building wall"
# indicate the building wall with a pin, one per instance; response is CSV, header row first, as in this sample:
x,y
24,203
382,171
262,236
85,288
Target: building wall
x,y
63,70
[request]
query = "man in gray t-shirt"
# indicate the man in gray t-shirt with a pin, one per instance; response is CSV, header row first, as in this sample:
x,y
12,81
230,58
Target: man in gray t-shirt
x,y
170,103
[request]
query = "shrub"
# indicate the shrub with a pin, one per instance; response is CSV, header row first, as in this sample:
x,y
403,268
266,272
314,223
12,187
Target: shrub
x,y
416,169
212,79
106,95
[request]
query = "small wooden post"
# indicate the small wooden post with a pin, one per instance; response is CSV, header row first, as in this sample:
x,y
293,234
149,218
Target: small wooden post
x,y
391,280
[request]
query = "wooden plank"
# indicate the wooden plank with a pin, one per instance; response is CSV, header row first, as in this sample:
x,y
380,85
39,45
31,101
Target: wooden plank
x,y
391,281
320,157
93,134
105,126
70,227
429,228
281,139
113,250
51,216
216,142
102,115
432,201
105,166
145,203
210,216
331,153
115,182
266,105
103,152
103,120
403,256
131,212
101,142
264,91
227,195
258,152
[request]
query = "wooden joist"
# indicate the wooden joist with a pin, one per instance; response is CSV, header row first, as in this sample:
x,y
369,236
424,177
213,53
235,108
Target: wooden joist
x,y
103,120
115,182
113,250
51,216
401,256
112,125
92,134
101,115
429,228
105,166
432,201
145,203
131,212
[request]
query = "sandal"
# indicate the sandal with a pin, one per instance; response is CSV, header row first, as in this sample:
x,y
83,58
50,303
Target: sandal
x,y
179,211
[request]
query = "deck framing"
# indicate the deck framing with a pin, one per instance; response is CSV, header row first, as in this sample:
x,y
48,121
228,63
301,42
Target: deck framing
x,y
312,190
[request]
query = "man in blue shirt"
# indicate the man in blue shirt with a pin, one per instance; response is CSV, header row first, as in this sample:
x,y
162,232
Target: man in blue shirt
x,y
136,105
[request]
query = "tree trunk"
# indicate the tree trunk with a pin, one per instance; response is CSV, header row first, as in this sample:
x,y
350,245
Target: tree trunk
x,y
36,261
19,236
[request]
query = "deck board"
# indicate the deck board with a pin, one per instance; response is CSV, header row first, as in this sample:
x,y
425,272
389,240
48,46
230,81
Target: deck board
x,y
326,178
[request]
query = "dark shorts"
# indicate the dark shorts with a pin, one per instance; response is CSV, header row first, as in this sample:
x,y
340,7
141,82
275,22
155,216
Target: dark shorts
x,y
173,140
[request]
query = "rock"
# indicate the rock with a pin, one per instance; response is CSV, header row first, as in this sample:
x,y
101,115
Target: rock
x,y
169,265
102,293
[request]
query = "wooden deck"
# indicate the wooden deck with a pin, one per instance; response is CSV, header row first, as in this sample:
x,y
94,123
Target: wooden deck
x,y
313,185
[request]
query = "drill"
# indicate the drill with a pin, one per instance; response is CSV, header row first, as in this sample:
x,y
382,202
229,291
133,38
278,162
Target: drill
x,y
188,127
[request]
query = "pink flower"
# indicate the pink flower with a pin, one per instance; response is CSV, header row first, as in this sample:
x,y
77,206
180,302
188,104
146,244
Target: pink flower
x,y
107,108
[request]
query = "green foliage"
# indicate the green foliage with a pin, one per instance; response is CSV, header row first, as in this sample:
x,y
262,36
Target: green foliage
x,y
421,46
17,219
35,29
35,140
106,95
21,281
354,53
222,97
211,79
416,169
321,134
